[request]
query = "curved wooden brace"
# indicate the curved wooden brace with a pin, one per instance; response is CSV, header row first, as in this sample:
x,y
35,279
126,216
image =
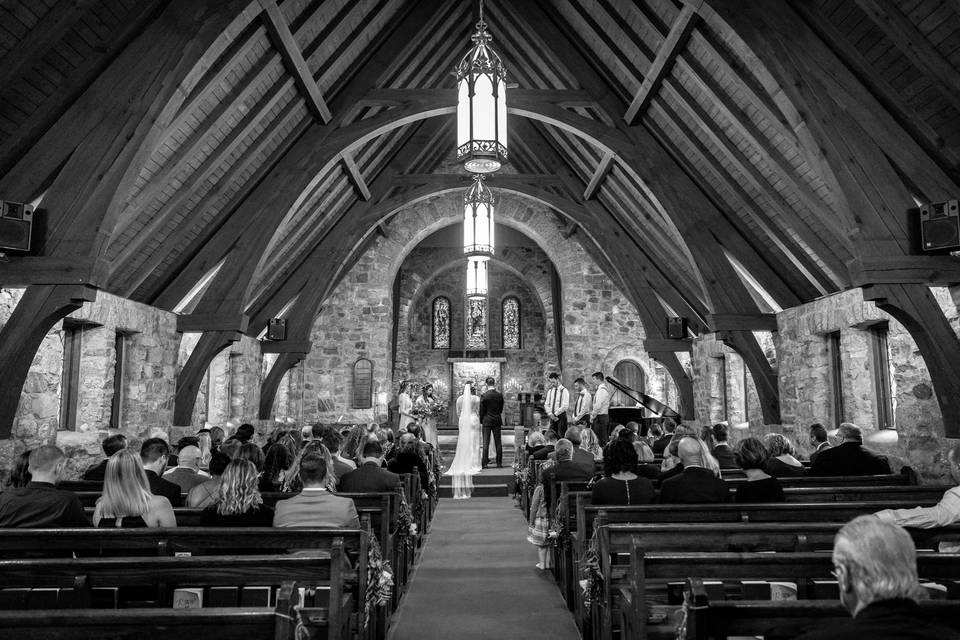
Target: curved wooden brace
x,y
41,307
268,390
191,376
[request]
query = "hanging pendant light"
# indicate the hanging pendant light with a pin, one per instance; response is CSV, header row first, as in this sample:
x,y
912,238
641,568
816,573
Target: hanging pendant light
x,y
481,105
478,206
477,277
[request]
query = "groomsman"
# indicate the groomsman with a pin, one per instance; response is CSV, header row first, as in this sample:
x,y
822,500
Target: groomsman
x,y
600,413
556,404
584,403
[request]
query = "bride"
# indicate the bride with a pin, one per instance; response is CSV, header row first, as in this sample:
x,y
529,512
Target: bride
x,y
466,461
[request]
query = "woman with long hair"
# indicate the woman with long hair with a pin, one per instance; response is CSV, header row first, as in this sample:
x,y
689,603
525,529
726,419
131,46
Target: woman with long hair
x,y
279,462
353,443
590,443
426,403
127,501
318,448
405,405
238,502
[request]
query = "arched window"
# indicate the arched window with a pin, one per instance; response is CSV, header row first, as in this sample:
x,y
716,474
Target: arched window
x,y
510,316
441,323
362,384
631,374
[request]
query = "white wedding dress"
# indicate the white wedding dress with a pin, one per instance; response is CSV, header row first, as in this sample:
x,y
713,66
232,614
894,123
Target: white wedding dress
x,y
466,460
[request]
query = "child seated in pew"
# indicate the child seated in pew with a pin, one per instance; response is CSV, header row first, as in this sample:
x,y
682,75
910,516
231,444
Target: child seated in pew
x,y
539,528
126,501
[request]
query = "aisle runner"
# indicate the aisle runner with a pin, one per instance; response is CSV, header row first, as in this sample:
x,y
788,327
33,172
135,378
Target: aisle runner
x,y
477,580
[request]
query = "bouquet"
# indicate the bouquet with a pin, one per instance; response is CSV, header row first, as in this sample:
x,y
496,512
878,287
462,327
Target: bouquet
x,y
431,409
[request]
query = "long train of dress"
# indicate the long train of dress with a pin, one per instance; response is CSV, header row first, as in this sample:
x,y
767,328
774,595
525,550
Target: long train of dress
x,y
466,460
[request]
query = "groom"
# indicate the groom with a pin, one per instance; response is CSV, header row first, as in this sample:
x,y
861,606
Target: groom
x,y
491,408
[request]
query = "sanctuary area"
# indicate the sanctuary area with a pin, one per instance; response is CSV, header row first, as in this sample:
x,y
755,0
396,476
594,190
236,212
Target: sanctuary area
x,y
480,319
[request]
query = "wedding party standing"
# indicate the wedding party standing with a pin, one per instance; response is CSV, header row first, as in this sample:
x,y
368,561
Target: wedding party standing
x,y
426,407
466,460
556,404
405,406
491,419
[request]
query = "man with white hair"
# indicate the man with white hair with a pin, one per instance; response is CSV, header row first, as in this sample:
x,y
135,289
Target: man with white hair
x,y
187,473
849,458
565,470
875,563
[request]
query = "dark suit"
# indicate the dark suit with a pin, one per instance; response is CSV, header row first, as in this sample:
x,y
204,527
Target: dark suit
x,y
848,459
169,490
563,470
816,452
491,419
582,458
724,455
660,444
543,452
695,485
96,472
40,505
368,478
886,620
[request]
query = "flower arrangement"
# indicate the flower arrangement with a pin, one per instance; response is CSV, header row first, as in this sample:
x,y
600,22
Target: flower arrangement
x,y
430,409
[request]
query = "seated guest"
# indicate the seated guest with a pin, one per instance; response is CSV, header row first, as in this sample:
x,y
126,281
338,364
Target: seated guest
x,y
352,447
849,458
306,433
410,460
127,502
230,447
110,446
551,445
333,441
654,433
315,506
187,473
661,443
590,443
752,455
253,453
39,504
945,512
20,474
781,463
238,502
217,437
153,454
646,466
580,457
245,433
698,482
206,449
278,466
205,494
672,464
818,440
535,441
370,476
173,460
615,432
315,447
722,450
875,564
621,484
706,434
644,452
565,469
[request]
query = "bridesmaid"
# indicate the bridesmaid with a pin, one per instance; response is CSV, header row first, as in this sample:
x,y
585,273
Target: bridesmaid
x,y
405,407
428,423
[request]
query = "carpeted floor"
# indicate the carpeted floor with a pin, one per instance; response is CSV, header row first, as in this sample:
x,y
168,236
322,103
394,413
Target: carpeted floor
x,y
477,579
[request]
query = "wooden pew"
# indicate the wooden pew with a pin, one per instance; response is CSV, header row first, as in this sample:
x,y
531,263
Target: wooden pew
x,y
706,619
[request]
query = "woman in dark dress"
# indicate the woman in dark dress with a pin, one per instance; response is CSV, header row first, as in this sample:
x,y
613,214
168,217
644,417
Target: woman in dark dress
x,y
239,503
781,463
751,454
127,501
621,484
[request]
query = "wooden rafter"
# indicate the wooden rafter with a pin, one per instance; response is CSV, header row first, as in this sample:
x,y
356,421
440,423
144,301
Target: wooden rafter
x,y
660,67
356,177
603,168
287,45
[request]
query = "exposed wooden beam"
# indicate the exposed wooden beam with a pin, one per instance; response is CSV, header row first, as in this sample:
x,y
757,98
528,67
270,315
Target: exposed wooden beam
x,y
27,270
355,176
934,271
287,45
743,321
666,55
603,168
286,346
666,345
268,390
199,322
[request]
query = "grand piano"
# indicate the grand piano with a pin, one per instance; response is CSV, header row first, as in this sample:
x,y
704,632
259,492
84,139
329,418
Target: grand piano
x,y
657,411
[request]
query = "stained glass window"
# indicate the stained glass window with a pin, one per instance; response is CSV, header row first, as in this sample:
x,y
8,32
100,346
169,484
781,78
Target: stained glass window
x,y
511,323
441,323
477,324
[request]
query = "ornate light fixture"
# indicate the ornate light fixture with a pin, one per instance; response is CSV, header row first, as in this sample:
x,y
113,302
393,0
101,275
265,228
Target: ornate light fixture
x,y
477,277
478,206
481,105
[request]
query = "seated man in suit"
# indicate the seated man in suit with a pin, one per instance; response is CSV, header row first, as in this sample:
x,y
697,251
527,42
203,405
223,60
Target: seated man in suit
x,y
110,446
581,457
669,426
849,458
187,473
696,484
370,476
565,469
819,440
315,506
875,563
543,453
723,452
40,504
154,453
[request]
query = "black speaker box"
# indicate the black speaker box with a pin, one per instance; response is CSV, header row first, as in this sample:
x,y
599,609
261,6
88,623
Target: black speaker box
x,y
676,328
277,329
16,226
940,227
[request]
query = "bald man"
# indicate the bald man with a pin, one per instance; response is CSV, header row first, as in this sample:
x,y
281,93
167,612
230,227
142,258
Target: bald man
x,y
944,513
849,458
875,563
696,484
40,505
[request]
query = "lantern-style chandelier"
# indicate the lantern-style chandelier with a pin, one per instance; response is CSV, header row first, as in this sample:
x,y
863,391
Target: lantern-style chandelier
x,y
478,206
477,277
481,105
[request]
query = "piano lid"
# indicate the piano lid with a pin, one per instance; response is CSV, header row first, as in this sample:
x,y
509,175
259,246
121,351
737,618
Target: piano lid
x,y
651,404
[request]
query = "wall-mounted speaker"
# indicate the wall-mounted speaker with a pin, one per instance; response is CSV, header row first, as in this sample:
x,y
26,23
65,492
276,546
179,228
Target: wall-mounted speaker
x,y
940,226
676,328
277,329
16,225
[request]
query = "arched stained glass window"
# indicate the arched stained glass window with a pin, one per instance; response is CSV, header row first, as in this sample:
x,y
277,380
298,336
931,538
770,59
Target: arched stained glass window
x,y
441,323
511,323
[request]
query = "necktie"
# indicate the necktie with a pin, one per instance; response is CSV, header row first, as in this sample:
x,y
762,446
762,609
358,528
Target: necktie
x,y
554,401
579,403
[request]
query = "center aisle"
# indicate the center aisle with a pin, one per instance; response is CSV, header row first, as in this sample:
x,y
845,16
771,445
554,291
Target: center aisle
x,y
477,579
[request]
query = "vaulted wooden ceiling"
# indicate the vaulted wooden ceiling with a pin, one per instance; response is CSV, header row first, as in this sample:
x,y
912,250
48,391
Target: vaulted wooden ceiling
x,y
232,159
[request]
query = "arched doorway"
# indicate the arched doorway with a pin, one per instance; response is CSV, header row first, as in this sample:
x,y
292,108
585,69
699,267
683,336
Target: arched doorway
x,y
631,374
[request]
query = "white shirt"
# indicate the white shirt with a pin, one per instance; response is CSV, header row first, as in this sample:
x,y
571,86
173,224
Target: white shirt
x,y
946,512
601,401
558,400
583,406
